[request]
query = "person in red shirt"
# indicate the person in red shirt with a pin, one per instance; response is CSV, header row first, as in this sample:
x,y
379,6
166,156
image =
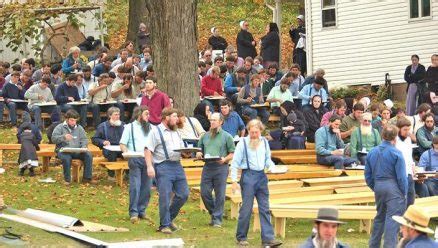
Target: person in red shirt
x,y
211,85
156,100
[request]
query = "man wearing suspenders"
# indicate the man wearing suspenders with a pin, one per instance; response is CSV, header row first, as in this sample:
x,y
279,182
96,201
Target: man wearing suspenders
x,y
385,174
220,144
253,156
363,139
429,161
134,139
164,164
189,128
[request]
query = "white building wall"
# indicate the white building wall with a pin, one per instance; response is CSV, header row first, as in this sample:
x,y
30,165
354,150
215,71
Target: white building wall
x,y
371,38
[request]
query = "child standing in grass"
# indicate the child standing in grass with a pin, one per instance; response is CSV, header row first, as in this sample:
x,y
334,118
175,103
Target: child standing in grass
x,y
29,145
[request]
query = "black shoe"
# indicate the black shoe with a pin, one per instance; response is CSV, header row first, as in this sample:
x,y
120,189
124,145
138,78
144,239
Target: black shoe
x,y
21,173
272,243
31,172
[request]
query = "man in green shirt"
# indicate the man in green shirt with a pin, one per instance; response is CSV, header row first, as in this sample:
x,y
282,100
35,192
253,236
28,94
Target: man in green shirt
x,y
363,139
217,150
351,121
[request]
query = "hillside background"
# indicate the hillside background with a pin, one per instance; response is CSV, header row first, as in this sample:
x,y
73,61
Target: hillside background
x,y
223,14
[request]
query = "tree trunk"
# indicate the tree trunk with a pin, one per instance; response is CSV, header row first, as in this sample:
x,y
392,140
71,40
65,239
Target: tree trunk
x,y
174,50
138,13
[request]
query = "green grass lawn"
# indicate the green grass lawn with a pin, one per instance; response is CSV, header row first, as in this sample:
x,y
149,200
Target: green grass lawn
x,y
108,204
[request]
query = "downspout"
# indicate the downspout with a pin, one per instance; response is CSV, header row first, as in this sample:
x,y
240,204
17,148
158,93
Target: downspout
x,y
309,36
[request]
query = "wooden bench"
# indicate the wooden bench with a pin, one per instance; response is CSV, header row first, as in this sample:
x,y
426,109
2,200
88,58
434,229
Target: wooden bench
x,y
296,159
333,180
17,147
281,212
279,153
118,167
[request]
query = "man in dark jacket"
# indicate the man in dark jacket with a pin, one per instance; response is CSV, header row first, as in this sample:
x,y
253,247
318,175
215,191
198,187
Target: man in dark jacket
x,y
108,133
245,42
326,225
13,92
67,93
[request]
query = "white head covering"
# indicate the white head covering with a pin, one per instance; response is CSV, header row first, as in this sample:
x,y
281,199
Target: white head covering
x,y
301,17
388,103
241,24
212,30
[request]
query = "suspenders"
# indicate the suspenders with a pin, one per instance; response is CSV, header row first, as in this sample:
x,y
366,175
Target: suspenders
x,y
132,136
360,138
193,127
163,143
246,153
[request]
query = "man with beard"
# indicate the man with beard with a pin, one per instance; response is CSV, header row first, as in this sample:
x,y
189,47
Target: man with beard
x,y
252,94
70,135
385,174
273,76
326,225
229,63
134,138
404,145
329,145
88,79
252,156
189,128
215,143
163,163
426,133
233,123
109,133
155,100
234,82
351,122
278,95
363,139
103,67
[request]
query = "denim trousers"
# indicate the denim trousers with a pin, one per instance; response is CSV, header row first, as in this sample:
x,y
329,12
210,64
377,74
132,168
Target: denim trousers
x,y
214,177
254,184
170,178
37,110
85,157
333,160
389,202
139,187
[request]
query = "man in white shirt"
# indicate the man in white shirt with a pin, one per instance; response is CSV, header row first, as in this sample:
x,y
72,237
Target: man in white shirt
x,y
189,128
417,120
404,144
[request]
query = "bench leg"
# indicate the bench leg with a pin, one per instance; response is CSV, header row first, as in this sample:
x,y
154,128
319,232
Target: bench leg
x,y
119,177
365,225
234,210
256,224
280,227
76,171
46,161
1,157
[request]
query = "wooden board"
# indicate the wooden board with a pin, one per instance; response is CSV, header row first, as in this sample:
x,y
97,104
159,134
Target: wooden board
x,y
338,199
294,159
96,227
276,153
333,180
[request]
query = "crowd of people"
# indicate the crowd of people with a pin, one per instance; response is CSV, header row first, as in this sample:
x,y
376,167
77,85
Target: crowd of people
x,y
239,91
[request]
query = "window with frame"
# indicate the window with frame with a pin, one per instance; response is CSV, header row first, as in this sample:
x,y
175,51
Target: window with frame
x,y
328,13
419,8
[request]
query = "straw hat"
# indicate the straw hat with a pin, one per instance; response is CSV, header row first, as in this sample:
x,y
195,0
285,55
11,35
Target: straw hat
x,y
416,218
329,215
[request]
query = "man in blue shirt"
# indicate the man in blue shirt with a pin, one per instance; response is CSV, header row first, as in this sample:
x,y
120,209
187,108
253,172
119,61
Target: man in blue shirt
x,y
233,123
134,138
252,156
385,174
415,228
13,95
429,161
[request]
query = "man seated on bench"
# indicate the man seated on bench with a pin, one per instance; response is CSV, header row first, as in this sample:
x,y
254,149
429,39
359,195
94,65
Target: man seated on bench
x,y
70,135
428,161
252,94
67,93
363,139
329,145
39,93
10,92
100,92
189,128
326,225
108,133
